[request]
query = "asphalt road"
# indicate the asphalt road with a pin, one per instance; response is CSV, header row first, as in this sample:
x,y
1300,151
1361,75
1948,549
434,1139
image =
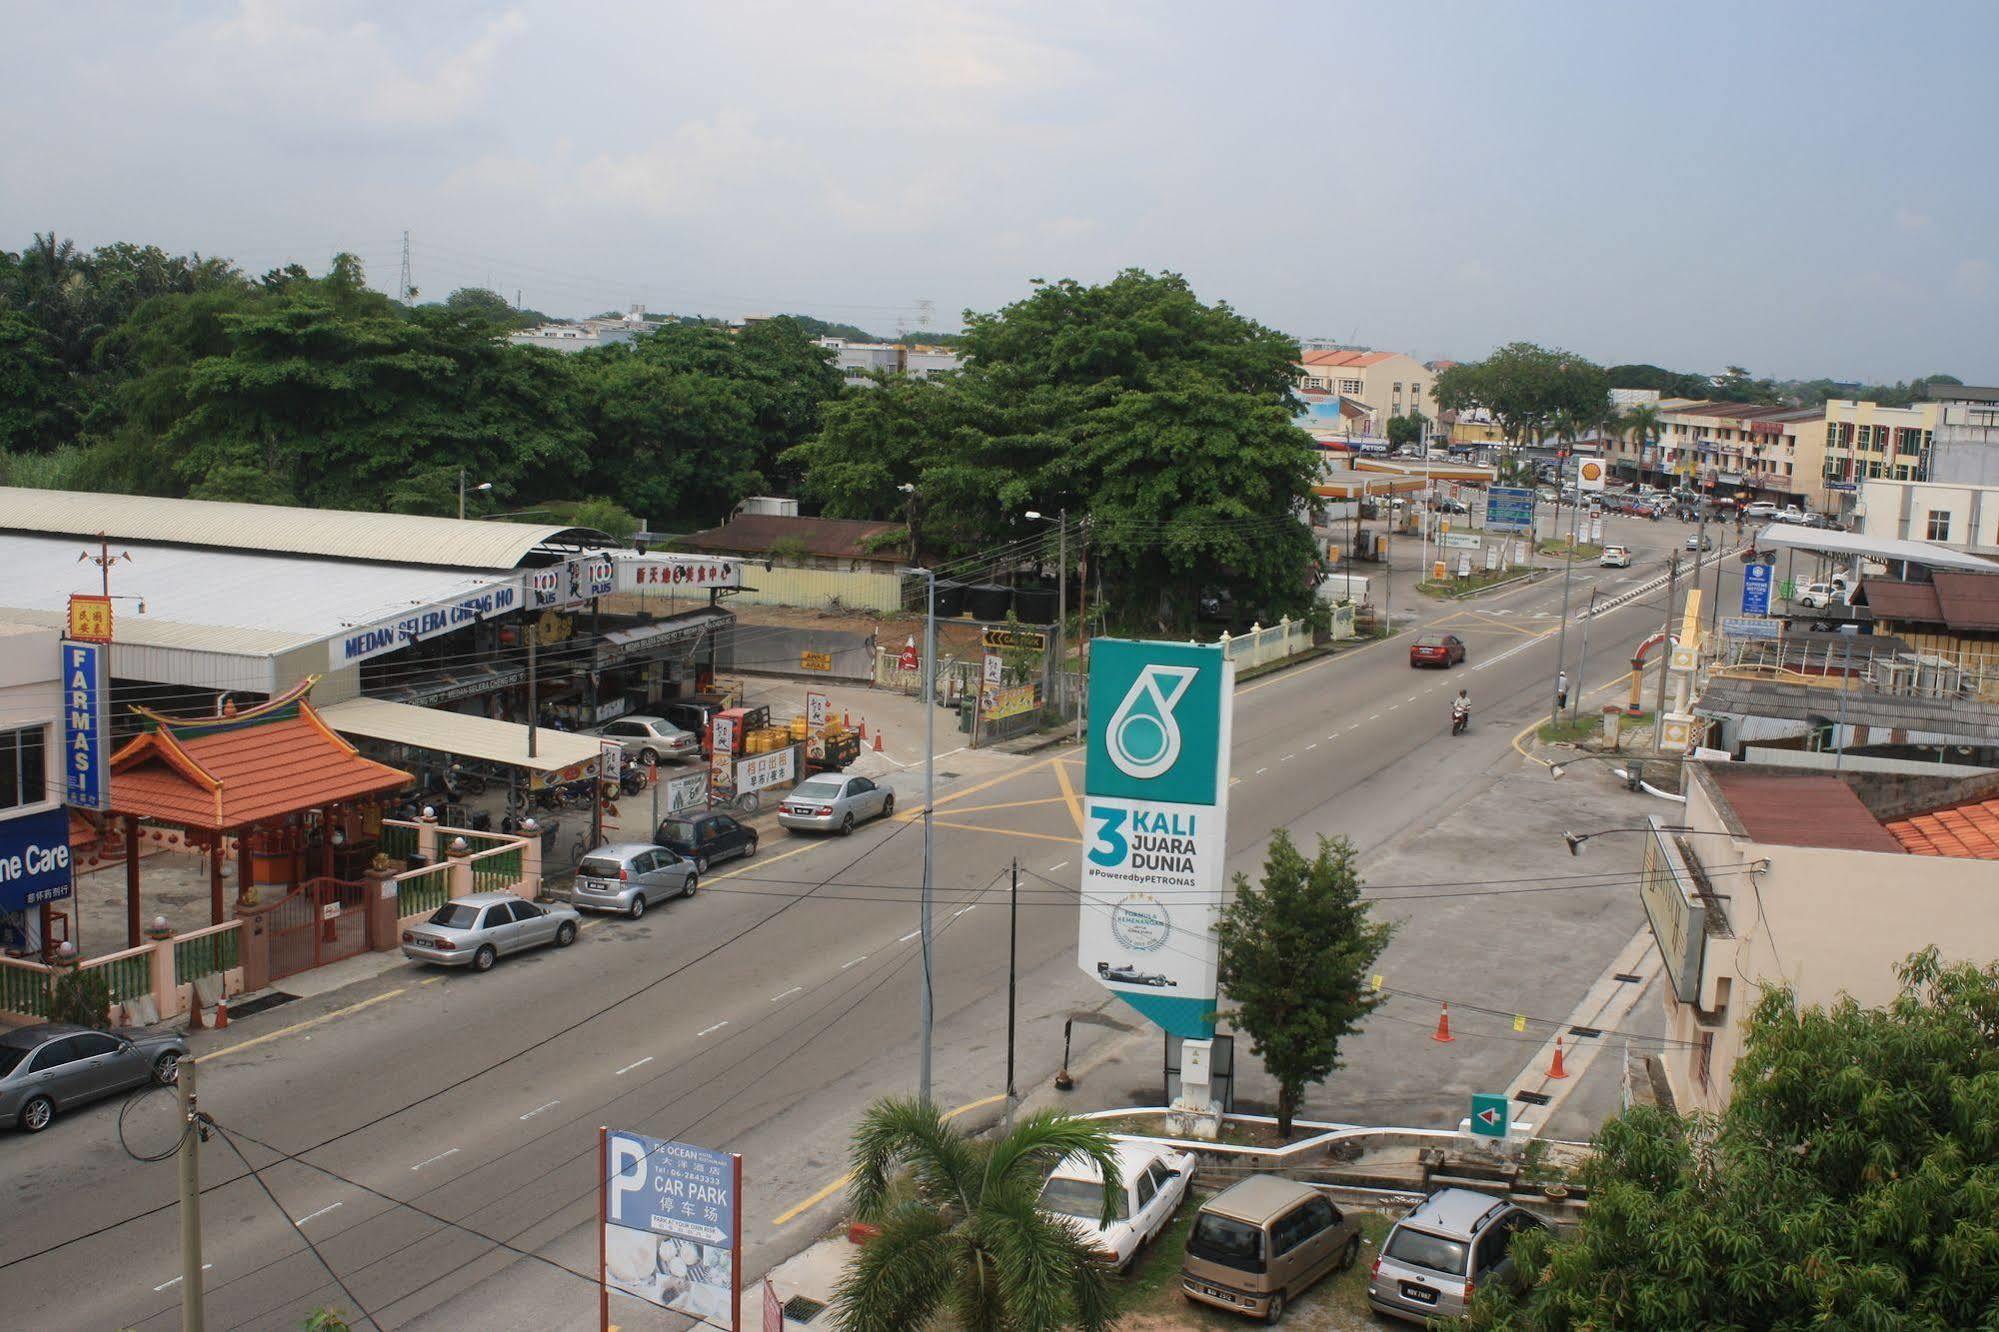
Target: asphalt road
x,y
441,1129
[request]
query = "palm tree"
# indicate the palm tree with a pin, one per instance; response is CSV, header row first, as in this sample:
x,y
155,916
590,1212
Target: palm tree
x,y
1641,426
959,1233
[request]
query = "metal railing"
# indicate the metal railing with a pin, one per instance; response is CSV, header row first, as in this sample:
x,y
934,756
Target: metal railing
x,y
497,869
421,891
206,952
127,974
398,840
24,987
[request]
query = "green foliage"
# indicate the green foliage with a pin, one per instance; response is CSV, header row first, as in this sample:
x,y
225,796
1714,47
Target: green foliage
x,y
1295,955
1670,383
1853,1182
960,1235
491,308
327,1319
80,997
1527,389
607,516
1406,430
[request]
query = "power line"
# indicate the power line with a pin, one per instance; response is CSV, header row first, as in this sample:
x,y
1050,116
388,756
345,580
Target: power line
x,y
258,1176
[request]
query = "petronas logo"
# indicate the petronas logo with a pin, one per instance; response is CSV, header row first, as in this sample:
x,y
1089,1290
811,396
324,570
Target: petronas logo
x,y
1144,739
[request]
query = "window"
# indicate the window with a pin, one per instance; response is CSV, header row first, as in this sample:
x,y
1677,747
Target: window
x,y
1939,524
1704,1060
1221,1239
23,767
1291,1230
526,911
91,1044
1080,1198
1146,1190
1160,1174
495,917
54,1055
1350,386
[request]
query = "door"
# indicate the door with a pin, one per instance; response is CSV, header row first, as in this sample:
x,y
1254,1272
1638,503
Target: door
x,y
100,1063
729,838
1165,1198
1145,1208
645,868
57,1071
496,927
867,797
532,925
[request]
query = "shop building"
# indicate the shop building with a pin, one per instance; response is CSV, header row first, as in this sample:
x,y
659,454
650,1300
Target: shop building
x,y
35,870
1748,451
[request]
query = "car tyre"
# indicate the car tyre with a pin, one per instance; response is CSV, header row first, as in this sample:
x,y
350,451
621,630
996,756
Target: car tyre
x,y
649,755
166,1069
565,934
888,806
1351,1256
483,959
638,906
749,848
701,864
693,882
37,1113
847,825
1274,1315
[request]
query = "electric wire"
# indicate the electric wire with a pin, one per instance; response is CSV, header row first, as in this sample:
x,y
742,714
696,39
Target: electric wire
x,y
258,1176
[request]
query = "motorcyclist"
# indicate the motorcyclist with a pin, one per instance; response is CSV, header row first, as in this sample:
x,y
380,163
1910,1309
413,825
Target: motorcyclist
x,y
1460,711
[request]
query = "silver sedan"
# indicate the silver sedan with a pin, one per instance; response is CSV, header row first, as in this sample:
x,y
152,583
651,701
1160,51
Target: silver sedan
x,y
474,931
55,1066
831,802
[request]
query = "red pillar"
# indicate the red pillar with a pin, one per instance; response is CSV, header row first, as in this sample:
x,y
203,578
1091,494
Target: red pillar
x,y
215,880
133,936
246,871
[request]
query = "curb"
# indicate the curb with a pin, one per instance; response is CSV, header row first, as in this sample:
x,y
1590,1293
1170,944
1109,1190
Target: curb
x,y
1475,593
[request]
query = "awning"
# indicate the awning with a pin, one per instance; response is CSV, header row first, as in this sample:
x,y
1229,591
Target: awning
x,y
651,640
1791,536
460,734
448,686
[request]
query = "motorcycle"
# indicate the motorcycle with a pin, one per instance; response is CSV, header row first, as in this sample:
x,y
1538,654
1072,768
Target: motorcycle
x,y
1460,719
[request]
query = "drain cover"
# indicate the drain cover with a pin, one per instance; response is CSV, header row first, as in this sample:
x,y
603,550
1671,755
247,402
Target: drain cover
x,y
801,1309
1584,1031
1627,978
259,1004
1530,1098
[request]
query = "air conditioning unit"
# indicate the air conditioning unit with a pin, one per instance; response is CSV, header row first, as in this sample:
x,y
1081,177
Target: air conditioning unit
x,y
768,506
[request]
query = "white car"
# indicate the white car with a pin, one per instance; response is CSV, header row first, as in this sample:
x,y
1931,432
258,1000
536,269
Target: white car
x,y
1615,557
1761,509
1155,1184
1791,513
1819,595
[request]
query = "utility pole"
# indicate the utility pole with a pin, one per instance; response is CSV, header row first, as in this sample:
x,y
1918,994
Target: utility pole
x,y
190,1200
1062,596
533,631
1568,573
929,799
1012,965
1666,662
1582,659
1082,620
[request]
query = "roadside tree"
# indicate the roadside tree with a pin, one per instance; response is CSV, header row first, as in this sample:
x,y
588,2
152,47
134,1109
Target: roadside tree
x,y
1406,430
1295,955
959,1234
1525,386
1853,1182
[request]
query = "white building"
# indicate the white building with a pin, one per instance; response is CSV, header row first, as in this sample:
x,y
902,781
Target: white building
x,y
1959,515
33,822
859,361
1965,444
584,334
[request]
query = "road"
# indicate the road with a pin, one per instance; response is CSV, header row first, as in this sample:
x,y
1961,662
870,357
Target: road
x,y
434,1136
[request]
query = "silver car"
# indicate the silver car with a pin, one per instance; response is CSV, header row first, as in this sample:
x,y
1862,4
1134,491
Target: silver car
x,y
653,737
55,1066
1455,1240
834,802
474,931
629,877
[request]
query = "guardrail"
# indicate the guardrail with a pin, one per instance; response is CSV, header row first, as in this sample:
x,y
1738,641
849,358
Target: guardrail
x,y
127,974
24,987
206,952
422,891
497,869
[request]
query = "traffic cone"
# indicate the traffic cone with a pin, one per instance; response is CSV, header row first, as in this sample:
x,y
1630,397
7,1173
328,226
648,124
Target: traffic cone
x,y
222,1012
1555,1070
864,730
878,742
194,1022
1443,1032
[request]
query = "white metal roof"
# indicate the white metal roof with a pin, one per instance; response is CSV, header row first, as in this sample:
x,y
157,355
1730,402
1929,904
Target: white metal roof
x,y
222,601
460,734
276,529
1794,536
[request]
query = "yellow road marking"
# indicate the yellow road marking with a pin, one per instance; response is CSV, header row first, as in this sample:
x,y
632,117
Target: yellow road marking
x,y
301,1026
955,796
1008,832
1069,794
1537,723
790,1212
1012,804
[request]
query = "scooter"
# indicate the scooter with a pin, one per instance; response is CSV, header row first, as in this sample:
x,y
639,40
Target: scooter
x,y
1460,720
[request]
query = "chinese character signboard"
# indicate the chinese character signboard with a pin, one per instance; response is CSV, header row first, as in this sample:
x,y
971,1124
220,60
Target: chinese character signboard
x,y
818,710
89,618
86,731
760,772
570,583
673,1225
677,573
1156,827
34,860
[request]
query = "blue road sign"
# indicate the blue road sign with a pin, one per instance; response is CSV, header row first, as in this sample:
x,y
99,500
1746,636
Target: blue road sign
x,y
1509,509
1756,589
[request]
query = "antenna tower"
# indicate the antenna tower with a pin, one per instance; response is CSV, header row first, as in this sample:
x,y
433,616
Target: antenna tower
x,y
405,290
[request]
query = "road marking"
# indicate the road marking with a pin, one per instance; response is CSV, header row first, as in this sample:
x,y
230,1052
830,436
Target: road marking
x,y
796,989
1069,794
856,962
1059,865
1375,717
907,937
767,860
961,911
538,1109
1393,706
169,1285
1315,744
1412,697
1009,832
1261,771
1517,647
432,981
629,1067
972,790
822,1195
1287,758
1010,804
709,1030
301,1026
434,1159
321,1212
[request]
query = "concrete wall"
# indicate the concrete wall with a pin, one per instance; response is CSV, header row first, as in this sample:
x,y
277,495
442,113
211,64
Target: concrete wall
x,y
1900,510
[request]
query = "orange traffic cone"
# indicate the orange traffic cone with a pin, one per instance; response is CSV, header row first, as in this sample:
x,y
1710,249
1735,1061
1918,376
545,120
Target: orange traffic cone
x,y
194,1022
864,730
878,742
222,1012
1555,1070
1443,1032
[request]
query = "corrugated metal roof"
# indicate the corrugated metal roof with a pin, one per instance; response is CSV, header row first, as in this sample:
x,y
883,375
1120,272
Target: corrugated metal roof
x,y
460,734
1969,601
1793,536
275,529
1892,600
1786,808
840,538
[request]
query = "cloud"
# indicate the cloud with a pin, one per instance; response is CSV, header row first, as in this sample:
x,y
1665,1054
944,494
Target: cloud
x,y
456,86
700,166
1974,277
1911,219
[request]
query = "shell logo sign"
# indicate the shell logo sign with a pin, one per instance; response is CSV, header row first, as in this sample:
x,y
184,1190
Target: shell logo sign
x,y
1589,474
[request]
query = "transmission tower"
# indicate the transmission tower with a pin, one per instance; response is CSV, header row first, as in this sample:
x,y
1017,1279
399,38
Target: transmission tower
x,y
405,289
926,312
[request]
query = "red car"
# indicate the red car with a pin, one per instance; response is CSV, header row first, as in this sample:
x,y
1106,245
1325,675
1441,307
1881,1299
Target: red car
x,y
1445,650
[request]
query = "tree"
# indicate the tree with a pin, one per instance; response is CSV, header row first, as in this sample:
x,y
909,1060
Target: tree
x,y
1525,387
1640,425
959,1233
607,516
1295,954
1853,1182
1406,430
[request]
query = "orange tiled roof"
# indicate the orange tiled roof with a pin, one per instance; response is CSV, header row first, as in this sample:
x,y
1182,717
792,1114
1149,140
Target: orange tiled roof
x,y
209,775
1966,832
1347,358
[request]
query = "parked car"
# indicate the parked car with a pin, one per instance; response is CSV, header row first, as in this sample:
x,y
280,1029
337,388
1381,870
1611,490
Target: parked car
x,y
834,802
1455,1240
1615,557
1695,541
705,838
1760,509
653,738
476,930
628,877
1790,513
1437,649
1448,505
692,715
1820,595
1155,1184
56,1066
1261,1243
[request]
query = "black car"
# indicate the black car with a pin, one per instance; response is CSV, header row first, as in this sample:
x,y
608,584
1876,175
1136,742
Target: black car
x,y
706,839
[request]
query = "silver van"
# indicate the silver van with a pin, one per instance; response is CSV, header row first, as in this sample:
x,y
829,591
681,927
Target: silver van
x,y
1455,1241
629,877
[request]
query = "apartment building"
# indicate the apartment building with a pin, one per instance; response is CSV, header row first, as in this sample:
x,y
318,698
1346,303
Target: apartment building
x,y
1747,450
1965,447
858,362
1388,383
1866,441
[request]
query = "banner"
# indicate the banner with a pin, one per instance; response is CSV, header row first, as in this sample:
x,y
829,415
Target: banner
x,y
677,573
685,793
818,710
34,860
429,621
570,583
1156,827
86,731
672,1219
1509,509
760,772
996,703
1756,589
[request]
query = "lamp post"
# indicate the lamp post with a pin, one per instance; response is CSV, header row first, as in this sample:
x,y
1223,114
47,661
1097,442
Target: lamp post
x,y
1061,521
483,485
1576,839
929,799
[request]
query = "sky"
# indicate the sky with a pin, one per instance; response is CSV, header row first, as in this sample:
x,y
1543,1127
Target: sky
x,y
1805,189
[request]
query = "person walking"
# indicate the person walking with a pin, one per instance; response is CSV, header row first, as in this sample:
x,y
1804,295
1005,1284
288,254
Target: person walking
x,y
1561,689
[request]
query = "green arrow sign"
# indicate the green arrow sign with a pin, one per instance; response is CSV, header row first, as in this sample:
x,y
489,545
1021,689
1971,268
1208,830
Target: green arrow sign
x,y
1488,1116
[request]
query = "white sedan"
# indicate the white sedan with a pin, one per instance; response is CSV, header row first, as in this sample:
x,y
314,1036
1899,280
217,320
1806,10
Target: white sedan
x,y
1155,1184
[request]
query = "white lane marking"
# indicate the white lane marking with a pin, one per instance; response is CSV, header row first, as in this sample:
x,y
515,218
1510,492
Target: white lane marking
x,y
707,1030
796,989
856,962
538,1109
1393,706
1059,866
1518,647
1315,744
321,1212
1287,758
961,911
629,1067
433,1160
1261,771
1375,717
959,750
907,937
170,1284
1330,737
1412,697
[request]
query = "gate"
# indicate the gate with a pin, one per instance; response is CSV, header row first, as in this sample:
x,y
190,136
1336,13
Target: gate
x,y
325,921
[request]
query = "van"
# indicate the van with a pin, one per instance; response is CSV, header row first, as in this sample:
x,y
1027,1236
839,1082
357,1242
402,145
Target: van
x,y
1262,1243
1453,1242
1337,587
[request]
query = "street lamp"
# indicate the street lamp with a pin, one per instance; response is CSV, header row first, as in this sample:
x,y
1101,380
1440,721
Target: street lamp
x,y
1576,839
929,800
483,485
1061,521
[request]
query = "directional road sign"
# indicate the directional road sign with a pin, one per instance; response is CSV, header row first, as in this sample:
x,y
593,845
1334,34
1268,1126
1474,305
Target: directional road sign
x,y
1488,1115
1509,509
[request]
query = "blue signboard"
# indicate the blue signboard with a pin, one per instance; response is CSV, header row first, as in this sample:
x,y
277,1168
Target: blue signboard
x,y
1756,589
670,1217
1509,509
86,733
34,860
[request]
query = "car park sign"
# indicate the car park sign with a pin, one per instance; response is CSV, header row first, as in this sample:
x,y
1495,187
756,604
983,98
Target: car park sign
x,y
1489,1115
1156,827
672,1225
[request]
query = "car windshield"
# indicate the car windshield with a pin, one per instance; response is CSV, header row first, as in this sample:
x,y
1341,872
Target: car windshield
x,y
819,789
1430,640
455,915
1220,1239
1080,1198
10,1055
1419,1248
598,869
676,830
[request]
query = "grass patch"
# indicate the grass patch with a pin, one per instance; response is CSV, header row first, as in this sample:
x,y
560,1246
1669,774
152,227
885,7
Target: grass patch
x,y
1584,549
1588,728
1480,578
1337,1304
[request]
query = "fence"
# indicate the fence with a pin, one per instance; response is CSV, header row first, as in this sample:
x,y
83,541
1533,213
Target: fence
x,y
824,589
156,971
1286,638
422,891
206,952
24,987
